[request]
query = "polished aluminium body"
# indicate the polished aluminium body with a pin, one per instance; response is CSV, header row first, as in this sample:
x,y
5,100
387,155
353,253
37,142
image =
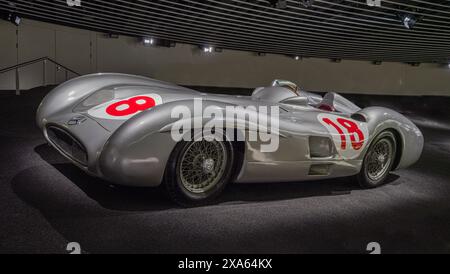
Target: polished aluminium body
x,y
136,149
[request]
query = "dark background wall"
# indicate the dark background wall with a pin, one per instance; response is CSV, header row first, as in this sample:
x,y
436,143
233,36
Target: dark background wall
x,y
87,52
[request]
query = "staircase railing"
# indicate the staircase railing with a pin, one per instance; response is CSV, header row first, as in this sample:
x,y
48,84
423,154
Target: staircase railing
x,y
44,61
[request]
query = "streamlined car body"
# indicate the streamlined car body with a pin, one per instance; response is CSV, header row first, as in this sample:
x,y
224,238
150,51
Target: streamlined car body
x,y
120,128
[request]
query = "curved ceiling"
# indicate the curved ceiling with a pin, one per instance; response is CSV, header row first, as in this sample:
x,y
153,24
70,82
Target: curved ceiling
x,y
342,29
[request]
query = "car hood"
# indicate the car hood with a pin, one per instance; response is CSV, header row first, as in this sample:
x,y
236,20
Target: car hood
x,y
65,98
129,101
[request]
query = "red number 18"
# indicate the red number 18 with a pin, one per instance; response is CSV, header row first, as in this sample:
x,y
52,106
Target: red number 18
x,y
352,128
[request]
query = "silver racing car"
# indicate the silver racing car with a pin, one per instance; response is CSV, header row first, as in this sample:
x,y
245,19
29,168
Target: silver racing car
x,y
129,130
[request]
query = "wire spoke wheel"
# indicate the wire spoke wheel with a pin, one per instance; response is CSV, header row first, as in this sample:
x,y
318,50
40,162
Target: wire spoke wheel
x,y
379,159
199,170
203,164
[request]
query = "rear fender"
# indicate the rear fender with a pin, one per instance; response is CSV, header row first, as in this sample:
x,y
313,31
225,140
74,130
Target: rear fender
x,y
411,144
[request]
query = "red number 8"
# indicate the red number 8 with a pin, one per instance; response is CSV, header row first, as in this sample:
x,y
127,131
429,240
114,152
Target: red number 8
x,y
133,104
352,129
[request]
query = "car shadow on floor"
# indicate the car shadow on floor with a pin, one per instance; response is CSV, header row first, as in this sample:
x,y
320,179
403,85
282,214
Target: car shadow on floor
x,y
140,199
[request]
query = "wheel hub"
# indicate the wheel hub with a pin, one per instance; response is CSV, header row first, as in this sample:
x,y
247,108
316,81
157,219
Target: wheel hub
x,y
381,159
208,165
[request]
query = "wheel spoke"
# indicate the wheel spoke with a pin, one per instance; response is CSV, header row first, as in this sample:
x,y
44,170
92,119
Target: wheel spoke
x,y
202,165
378,159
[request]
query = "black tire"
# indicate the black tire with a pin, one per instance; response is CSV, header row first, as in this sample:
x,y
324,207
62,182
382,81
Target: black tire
x,y
375,167
175,182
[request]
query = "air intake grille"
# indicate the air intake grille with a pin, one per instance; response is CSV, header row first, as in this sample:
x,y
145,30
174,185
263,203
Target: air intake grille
x,y
65,142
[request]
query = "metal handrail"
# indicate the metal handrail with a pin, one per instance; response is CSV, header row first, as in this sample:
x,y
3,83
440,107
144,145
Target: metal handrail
x,y
42,59
24,64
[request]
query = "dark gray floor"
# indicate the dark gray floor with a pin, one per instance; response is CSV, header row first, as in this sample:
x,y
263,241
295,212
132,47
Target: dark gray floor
x,y
45,202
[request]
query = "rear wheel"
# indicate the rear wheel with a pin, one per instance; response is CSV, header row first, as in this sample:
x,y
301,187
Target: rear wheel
x,y
198,171
378,160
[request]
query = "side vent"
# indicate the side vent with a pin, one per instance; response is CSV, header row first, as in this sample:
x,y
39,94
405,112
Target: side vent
x,y
320,169
320,147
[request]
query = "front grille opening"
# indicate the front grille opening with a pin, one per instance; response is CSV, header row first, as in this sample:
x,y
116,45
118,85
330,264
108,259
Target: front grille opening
x,y
67,144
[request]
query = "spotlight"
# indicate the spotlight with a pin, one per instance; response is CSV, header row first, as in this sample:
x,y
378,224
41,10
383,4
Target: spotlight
x,y
154,42
14,18
148,41
408,20
297,58
207,49
307,3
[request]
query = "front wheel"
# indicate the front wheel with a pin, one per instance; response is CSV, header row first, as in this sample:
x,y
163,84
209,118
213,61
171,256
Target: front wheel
x,y
378,160
198,171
